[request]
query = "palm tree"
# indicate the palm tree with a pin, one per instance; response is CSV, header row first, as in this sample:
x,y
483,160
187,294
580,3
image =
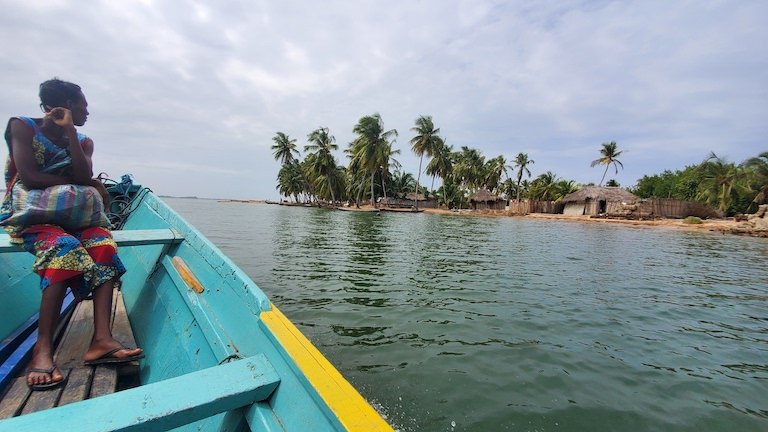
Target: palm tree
x,y
468,168
450,195
609,156
544,187
401,183
494,169
324,164
284,148
521,163
290,180
369,147
720,182
426,141
441,164
758,179
387,154
563,188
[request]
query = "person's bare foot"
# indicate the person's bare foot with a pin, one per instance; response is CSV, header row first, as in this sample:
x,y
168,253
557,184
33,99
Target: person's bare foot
x,y
41,370
111,350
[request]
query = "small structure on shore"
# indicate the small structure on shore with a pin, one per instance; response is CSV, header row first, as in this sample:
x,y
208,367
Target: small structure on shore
x,y
409,201
485,200
527,206
617,202
595,200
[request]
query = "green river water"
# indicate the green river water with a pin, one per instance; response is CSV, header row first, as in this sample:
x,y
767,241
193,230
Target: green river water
x,y
509,324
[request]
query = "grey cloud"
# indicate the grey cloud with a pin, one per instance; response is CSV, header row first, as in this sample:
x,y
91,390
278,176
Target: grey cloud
x,y
187,95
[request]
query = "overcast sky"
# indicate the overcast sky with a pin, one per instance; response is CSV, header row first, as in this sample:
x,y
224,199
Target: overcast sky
x,y
187,95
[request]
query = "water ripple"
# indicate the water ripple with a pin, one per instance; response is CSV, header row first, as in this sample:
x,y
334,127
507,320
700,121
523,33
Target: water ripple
x,y
517,324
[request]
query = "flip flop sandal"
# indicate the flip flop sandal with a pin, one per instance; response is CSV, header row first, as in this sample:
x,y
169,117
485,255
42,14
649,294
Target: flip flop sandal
x,y
109,358
50,385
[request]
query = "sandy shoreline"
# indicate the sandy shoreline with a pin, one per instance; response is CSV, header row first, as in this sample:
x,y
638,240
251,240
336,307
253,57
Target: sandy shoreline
x,y
723,226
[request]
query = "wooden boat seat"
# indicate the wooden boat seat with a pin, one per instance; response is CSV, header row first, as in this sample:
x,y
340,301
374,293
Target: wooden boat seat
x,y
123,238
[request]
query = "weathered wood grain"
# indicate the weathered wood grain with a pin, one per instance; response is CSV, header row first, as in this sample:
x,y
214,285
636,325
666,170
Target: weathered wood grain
x,y
14,398
77,387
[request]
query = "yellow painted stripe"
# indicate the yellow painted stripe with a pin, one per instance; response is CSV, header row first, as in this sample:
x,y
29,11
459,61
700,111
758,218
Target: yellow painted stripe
x,y
186,274
350,408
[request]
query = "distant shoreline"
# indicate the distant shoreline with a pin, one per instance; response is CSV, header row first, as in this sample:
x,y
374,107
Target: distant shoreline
x,y
723,226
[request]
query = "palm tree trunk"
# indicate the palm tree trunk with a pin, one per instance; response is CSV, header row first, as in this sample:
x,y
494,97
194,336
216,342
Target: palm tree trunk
x,y
373,199
431,188
359,195
383,188
604,173
418,177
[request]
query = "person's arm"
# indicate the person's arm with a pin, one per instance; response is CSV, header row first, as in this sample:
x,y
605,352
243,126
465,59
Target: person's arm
x,y
24,158
82,166
96,183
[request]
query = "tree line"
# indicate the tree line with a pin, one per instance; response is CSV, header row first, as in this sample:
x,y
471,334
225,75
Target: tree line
x,y
730,187
372,171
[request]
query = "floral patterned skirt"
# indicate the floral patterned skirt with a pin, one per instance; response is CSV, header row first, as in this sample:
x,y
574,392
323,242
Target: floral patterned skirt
x,y
85,259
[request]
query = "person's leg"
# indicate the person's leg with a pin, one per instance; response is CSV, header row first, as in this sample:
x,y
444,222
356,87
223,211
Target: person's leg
x,y
42,353
57,255
103,274
103,342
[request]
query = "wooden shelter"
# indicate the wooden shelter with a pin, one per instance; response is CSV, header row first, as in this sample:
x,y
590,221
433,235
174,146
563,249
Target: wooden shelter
x,y
409,201
595,200
485,200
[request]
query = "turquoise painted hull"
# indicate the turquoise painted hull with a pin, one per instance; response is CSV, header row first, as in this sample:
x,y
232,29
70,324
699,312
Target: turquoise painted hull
x,y
184,334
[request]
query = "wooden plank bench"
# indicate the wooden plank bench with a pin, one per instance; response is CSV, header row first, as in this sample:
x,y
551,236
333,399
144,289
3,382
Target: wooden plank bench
x,y
123,238
83,382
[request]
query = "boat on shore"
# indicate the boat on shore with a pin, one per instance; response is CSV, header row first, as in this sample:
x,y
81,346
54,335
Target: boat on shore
x,y
359,209
402,209
218,354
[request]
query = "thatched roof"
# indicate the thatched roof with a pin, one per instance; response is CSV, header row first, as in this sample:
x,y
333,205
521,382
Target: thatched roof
x,y
595,193
417,197
483,195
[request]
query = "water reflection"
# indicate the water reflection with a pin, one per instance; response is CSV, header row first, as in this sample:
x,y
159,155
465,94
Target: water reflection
x,y
516,324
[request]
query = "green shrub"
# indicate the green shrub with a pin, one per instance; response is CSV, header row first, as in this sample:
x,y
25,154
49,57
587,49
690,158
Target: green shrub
x,y
692,220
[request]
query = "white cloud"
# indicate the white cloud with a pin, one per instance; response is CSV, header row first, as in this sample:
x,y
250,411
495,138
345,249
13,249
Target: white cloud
x,y
200,88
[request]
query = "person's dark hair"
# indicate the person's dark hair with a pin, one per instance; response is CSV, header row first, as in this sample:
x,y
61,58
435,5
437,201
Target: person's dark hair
x,y
55,93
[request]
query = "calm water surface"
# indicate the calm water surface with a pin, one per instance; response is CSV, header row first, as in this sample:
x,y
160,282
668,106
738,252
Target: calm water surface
x,y
472,324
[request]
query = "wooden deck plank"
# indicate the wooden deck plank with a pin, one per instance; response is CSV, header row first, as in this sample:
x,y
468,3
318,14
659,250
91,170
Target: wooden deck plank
x,y
43,400
77,386
14,398
77,337
104,381
123,333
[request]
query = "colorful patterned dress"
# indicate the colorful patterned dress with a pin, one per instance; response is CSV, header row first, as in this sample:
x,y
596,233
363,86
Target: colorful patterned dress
x,y
86,258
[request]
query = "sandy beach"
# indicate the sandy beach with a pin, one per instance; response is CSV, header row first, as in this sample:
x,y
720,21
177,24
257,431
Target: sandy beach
x,y
724,226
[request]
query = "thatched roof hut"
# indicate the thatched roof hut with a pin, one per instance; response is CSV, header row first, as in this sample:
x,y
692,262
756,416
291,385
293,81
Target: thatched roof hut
x,y
413,196
596,193
593,200
410,200
485,200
